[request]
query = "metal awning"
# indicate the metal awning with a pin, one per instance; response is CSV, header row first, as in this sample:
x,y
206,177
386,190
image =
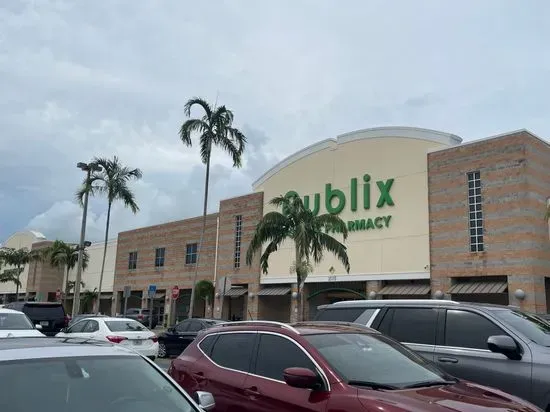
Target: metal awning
x,y
236,292
405,289
476,288
275,291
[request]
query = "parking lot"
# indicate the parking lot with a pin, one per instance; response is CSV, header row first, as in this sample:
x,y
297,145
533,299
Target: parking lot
x,y
164,363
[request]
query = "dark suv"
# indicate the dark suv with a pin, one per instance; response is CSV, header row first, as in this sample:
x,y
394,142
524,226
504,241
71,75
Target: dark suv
x,y
50,316
499,346
323,366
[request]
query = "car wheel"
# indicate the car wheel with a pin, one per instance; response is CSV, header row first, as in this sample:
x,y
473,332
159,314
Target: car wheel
x,y
162,350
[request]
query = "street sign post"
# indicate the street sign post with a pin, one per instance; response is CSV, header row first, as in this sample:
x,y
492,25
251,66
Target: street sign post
x,y
151,291
175,296
126,294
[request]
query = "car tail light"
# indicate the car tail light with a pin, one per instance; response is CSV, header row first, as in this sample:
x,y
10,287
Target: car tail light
x,y
116,339
155,338
67,320
140,317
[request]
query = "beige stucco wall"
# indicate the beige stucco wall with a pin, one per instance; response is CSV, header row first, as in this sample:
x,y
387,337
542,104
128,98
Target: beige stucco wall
x,y
401,154
91,275
17,241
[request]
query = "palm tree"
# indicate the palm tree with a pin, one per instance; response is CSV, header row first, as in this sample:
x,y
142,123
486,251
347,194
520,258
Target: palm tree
x,y
88,299
61,254
215,128
308,232
205,291
71,284
16,258
112,181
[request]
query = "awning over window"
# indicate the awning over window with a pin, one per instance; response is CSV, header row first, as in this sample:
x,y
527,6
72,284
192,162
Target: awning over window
x,y
405,289
476,288
275,291
236,292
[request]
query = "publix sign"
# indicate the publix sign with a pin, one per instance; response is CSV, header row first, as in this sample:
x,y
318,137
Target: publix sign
x,y
366,196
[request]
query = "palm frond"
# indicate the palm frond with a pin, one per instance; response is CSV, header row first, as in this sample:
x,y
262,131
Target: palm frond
x,y
199,102
335,247
328,221
273,227
192,126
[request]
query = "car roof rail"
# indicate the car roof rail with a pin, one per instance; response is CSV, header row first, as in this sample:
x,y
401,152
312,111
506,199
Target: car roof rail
x,y
334,323
389,301
259,323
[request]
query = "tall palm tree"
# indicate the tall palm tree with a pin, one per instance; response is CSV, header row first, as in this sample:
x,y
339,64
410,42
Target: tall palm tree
x,y
112,182
214,128
308,232
61,254
17,258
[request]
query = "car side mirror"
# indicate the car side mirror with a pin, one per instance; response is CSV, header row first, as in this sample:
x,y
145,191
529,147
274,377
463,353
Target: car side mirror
x,y
504,344
38,327
205,400
301,378
170,330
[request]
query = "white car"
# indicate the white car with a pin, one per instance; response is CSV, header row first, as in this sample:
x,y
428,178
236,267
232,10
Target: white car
x,y
15,324
126,332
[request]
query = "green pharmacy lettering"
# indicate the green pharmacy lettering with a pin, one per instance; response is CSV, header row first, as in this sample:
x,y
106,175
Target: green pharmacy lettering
x,y
335,200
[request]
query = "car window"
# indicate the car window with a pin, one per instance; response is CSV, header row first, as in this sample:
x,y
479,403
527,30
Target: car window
x,y
339,314
132,311
182,326
88,384
195,326
78,327
38,311
234,350
374,358
530,325
469,330
91,327
207,343
124,326
410,325
289,355
15,321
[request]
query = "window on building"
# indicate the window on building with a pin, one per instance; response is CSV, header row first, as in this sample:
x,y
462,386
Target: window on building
x,y
191,253
132,260
238,238
159,257
475,212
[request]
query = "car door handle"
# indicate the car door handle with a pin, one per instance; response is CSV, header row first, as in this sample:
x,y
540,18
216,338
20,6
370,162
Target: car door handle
x,y
447,360
252,391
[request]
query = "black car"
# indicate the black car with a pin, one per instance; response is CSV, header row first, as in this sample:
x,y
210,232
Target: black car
x,y
50,316
175,339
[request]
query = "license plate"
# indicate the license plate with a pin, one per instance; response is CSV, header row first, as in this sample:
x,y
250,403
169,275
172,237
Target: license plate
x,y
137,342
44,323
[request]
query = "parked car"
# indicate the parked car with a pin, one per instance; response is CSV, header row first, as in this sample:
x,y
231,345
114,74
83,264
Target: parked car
x,y
142,316
499,346
83,316
316,366
122,331
50,316
17,324
87,376
177,338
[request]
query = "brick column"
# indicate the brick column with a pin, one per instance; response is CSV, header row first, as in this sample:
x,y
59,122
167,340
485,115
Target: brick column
x,y
252,304
440,284
534,289
115,303
373,286
217,306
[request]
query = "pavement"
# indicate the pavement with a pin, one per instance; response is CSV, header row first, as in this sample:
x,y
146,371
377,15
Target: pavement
x,y
164,363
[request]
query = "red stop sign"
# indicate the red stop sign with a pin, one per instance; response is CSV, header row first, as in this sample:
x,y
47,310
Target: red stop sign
x,y
175,292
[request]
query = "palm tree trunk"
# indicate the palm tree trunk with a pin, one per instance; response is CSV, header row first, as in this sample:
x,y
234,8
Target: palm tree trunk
x,y
66,287
204,210
300,284
104,256
17,284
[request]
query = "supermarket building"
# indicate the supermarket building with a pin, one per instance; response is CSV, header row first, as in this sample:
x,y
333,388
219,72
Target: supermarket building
x,y
428,216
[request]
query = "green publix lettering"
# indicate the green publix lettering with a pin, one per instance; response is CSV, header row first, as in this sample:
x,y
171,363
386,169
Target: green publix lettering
x,y
335,202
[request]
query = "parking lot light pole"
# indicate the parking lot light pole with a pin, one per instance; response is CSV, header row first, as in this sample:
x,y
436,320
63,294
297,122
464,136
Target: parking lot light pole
x,y
88,168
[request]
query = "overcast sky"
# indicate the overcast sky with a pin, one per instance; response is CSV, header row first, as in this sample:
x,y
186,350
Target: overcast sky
x,y
110,77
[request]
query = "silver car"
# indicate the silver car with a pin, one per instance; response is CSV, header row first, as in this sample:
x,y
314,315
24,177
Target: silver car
x,y
70,374
493,345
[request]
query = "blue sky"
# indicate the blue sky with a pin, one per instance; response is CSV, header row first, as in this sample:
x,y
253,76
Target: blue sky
x,y
80,79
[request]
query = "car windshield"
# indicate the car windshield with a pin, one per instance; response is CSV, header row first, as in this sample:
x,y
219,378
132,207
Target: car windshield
x,y
37,311
534,328
375,359
15,321
124,326
85,384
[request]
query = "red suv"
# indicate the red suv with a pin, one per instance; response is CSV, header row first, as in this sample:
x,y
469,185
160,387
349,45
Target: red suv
x,y
323,366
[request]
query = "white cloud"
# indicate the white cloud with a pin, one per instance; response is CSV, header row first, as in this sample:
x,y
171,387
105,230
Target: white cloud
x,y
84,79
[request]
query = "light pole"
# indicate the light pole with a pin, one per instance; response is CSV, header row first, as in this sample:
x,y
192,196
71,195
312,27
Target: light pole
x,y
88,168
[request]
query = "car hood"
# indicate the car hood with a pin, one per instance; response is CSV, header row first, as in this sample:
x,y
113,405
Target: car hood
x,y
26,333
462,396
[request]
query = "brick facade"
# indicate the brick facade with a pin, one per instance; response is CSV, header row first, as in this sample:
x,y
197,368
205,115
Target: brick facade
x,y
515,185
44,279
